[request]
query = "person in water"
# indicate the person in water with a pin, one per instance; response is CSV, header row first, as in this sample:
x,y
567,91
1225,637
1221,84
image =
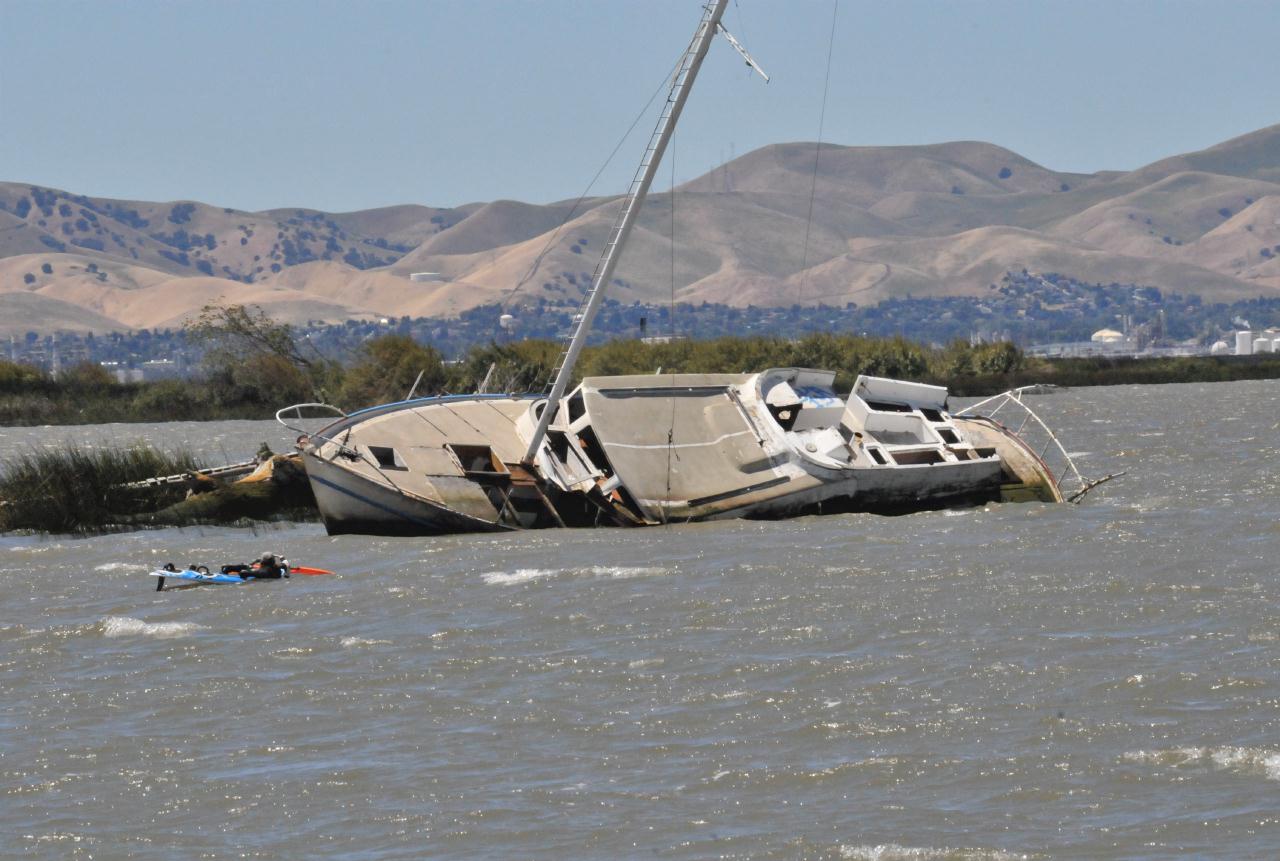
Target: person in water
x,y
265,567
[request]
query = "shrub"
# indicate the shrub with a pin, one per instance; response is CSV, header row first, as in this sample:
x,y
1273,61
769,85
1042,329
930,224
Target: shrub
x,y
181,212
387,369
77,490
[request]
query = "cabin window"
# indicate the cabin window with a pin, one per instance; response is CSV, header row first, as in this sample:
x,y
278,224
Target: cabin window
x,y
932,414
477,459
877,456
386,457
559,444
593,451
948,436
577,408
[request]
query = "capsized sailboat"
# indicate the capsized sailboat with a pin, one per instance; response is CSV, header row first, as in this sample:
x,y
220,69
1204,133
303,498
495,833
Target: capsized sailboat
x,y
651,449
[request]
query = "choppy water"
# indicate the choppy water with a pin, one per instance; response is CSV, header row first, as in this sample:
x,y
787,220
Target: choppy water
x,y
1019,681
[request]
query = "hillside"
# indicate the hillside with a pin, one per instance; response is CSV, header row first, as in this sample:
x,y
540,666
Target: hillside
x,y
888,222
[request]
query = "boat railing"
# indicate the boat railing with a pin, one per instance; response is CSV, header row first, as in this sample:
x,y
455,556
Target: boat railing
x,y
306,437
230,470
1022,422
296,409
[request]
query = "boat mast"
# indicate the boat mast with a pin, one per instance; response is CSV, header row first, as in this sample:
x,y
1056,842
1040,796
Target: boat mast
x,y
679,94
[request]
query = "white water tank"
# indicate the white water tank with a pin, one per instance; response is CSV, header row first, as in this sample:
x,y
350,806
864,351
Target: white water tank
x,y
1263,345
1219,348
506,321
1244,343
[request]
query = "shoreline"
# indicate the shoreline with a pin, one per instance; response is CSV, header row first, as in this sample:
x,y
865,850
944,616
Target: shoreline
x,y
57,404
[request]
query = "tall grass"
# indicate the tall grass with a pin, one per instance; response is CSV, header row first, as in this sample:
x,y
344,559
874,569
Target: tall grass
x,y
81,490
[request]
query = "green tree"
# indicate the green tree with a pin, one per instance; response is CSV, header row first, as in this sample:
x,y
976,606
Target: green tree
x,y
87,378
16,378
240,343
523,366
387,368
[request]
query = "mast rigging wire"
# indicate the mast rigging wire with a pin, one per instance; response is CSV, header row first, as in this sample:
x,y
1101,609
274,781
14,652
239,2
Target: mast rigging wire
x,y
537,261
813,187
671,316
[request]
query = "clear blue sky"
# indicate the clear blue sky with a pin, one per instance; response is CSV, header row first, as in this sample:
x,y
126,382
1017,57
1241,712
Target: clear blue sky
x,y
343,106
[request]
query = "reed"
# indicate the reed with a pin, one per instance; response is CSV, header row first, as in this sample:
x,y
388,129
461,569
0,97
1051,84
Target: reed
x,y
82,490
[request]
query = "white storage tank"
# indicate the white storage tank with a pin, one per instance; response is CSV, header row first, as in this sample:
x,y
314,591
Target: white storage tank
x,y
1219,348
1244,343
1263,345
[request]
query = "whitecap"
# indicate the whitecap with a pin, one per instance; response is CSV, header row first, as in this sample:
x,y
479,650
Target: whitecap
x,y
1238,760
126,626
522,575
121,566
349,642
895,852
1248,760
620,572
528,575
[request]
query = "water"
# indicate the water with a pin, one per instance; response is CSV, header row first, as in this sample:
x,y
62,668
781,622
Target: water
x,y
1018,681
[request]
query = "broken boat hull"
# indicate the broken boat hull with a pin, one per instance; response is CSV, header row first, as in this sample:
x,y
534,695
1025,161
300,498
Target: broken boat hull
x,y
629,451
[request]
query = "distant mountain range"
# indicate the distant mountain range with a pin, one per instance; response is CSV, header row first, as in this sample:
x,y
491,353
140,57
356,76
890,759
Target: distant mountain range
x,y
919,221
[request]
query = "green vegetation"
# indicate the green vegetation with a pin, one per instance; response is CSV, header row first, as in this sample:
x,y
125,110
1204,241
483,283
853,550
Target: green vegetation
x,y
78,490
253,366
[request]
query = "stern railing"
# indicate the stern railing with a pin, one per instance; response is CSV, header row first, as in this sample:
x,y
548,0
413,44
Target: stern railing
x,y
1038,438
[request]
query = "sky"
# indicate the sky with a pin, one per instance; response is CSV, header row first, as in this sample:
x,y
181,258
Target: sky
x,y
351,105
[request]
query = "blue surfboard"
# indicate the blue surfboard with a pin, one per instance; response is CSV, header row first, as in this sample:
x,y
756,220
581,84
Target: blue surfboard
x,y
197,577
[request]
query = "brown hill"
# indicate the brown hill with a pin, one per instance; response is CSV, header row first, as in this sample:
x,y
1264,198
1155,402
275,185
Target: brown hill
x,y
1255,155
941,219
31,312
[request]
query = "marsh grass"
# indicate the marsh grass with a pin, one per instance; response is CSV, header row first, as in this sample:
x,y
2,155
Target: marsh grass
x,y
82,490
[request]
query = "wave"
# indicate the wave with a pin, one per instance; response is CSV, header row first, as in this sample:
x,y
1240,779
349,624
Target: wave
x,y
523,575
621,572
349,642
126,626
1239,760
528,575
894,852
121,566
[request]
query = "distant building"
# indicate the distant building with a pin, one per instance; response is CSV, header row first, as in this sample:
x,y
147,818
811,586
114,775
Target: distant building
x,y
1106,336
